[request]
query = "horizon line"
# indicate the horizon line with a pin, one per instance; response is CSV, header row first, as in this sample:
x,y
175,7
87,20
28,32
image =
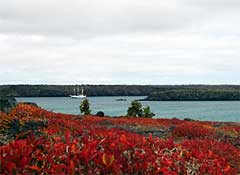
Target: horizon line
x,y
119,84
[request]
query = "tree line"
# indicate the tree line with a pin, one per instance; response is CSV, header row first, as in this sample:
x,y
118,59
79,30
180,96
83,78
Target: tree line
x,y
194,95
108,90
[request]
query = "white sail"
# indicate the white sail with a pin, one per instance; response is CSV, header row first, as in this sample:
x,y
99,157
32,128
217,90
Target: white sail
x,y
77,95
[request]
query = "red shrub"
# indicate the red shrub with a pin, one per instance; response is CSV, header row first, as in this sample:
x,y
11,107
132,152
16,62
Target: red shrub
x,y
71,146
193,130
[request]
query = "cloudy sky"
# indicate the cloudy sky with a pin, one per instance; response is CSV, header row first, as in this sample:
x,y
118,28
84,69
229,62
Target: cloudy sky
x,y
119,42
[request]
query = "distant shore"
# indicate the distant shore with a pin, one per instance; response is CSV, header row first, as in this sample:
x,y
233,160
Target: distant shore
x,y
195,95
153,92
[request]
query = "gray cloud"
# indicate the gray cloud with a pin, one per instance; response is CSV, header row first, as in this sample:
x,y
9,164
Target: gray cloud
x,y
86,18
117,42
83,18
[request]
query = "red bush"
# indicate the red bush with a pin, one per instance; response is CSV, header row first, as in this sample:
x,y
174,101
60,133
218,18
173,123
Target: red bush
x,y
70,145
193,130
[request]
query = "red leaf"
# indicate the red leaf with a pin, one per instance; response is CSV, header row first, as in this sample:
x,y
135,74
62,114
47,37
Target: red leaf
x,y
67,136
107,159
34,168
123,138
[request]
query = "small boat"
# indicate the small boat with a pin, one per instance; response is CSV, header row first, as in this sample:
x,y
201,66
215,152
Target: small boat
x,y
77,95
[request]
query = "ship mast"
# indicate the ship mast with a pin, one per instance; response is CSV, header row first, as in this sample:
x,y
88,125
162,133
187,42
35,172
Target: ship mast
x,y
77,90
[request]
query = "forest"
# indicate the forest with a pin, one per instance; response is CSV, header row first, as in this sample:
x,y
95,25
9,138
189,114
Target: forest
x,y
154,92
194,95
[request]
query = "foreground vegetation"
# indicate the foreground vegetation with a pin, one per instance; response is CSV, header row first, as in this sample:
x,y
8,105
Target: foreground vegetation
x,y
42,142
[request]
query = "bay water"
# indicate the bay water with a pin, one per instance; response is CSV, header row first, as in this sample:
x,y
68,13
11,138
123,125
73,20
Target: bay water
x,y
198,110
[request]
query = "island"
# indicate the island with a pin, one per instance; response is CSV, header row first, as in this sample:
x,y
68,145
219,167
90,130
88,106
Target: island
x,y
194,95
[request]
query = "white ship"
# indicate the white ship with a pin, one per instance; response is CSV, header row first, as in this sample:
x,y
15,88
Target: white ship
x,y
77,95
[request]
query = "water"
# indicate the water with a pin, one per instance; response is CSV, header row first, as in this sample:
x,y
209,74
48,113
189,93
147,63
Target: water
x,y
199,110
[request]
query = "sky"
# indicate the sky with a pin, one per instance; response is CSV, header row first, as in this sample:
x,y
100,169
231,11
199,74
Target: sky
x,y
120,42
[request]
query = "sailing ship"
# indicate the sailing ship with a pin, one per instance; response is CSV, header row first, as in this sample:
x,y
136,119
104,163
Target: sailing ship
x,y
77,95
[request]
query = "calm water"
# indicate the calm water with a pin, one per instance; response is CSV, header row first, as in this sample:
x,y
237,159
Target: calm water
x,y
203,110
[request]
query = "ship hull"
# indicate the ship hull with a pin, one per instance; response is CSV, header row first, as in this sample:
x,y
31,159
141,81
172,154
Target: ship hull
x,y
78,96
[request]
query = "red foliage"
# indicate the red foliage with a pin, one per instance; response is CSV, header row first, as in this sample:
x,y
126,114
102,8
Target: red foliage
x,y
79,146
5,120
233,130
194,130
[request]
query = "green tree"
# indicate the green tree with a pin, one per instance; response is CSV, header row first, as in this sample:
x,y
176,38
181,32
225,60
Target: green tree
x,y
135,109
147,112
85,107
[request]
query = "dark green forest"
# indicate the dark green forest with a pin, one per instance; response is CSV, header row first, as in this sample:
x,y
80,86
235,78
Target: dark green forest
x,y
154,92
66,90
194,95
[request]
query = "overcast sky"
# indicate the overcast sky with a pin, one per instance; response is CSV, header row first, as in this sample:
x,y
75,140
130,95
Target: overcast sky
x,y
119,42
